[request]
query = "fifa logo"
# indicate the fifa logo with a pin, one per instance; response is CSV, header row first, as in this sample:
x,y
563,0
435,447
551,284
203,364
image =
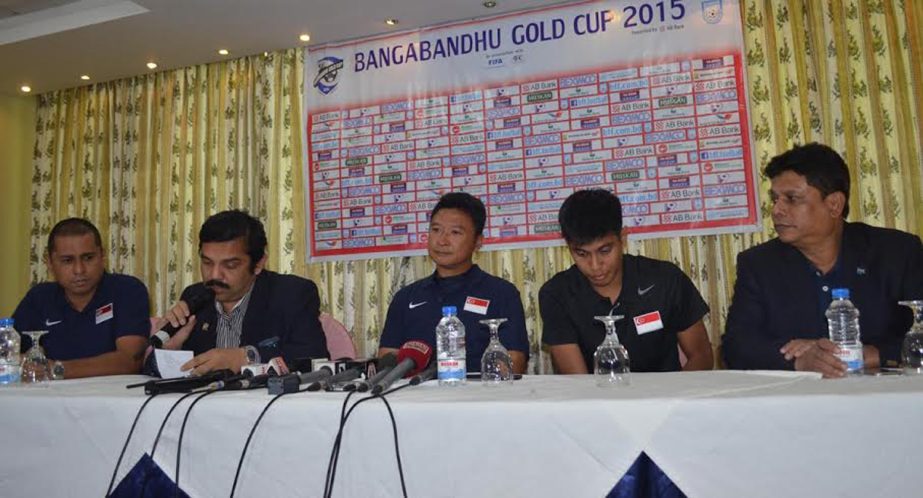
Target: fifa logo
x,y
328,74
712,11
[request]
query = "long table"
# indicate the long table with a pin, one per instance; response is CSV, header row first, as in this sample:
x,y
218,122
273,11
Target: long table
x,y
723,433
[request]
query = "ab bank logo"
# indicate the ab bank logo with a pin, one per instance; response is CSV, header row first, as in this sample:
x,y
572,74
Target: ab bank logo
x,y
712,11
328,74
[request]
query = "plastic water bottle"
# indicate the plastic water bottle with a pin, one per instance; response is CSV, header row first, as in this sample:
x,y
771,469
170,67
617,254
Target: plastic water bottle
x,y
9,352
843,324
450,348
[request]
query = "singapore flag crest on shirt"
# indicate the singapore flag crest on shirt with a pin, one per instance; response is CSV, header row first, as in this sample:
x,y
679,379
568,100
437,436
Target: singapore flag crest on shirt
x,y
477,305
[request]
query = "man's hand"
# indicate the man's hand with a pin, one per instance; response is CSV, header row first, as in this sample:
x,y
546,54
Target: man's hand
x,y
821,357
796,347
217,359
178,316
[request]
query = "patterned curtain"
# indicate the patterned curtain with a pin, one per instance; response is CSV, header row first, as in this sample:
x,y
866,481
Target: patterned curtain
x,y
149,158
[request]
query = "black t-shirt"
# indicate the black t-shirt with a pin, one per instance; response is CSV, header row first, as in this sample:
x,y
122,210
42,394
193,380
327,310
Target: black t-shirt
x,y
656,297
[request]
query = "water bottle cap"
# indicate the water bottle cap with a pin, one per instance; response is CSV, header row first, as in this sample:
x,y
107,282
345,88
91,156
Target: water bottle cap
x,y
6,322
449,310
840,293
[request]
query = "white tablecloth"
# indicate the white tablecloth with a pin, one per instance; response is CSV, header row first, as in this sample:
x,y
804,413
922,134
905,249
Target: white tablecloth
x,y
715,434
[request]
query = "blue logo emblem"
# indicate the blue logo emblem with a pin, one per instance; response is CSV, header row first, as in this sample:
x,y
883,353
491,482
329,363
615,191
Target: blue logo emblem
x,y
712,11
328,74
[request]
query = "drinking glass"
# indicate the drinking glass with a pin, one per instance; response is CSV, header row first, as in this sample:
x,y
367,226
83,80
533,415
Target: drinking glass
x,y
912,349
35,366
610,362
496,364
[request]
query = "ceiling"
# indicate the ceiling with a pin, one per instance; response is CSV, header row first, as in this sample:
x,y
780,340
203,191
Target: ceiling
x,y
49,44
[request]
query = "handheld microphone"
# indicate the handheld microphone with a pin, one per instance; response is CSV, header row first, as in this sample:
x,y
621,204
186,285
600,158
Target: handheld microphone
x,y
196,302
291,382
186,384
428,374
344,376
413,357
385,364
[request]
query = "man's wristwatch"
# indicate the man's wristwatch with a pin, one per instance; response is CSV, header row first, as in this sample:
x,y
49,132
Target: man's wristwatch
x,y
253,355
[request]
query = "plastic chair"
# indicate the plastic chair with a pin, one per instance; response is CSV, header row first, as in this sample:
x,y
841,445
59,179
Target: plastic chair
x,y
339,343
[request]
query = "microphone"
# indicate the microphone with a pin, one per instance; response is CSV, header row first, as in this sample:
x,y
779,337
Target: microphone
x,y
186,384
231,380
196,302
254,382
385,364
291,382
344,376
428,374
413,357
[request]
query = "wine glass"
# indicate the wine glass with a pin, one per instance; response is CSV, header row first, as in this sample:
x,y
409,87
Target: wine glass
x,y
610,361
496,364
912,348
35,366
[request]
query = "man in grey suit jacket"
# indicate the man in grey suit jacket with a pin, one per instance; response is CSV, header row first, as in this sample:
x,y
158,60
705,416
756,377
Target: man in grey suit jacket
x,y
776,319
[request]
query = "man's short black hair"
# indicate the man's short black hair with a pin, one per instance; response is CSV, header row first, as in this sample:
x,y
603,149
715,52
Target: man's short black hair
x,y
234,224
822,167
589,215
466,203
71,227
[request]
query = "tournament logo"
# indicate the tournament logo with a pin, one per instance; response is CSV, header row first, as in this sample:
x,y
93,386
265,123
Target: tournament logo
x,y
328,74
712,11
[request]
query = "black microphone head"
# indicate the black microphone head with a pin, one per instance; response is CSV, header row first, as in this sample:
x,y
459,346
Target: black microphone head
x,y
428,374
199,299
196,301
384,365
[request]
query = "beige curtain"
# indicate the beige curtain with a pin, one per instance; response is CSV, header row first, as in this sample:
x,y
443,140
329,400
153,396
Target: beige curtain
x,y
149,158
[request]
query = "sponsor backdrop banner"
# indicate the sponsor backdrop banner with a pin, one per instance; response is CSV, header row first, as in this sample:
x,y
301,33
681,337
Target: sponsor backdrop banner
x,y
644,98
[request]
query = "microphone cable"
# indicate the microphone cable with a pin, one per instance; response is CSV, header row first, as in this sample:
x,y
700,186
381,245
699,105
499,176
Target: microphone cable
x,y
335,452
243,453
167,417
131,431
397,448
256,424
179,443
160,431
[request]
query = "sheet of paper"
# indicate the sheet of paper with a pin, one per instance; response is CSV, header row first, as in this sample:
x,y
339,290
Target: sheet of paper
x,y
168,362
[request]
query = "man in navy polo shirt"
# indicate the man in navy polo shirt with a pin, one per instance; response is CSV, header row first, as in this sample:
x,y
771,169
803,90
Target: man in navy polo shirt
x,y
97,322
455,232
661,306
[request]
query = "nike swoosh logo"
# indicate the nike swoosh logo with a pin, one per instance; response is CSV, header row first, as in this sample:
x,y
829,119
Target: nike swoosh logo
x,y
416,305
642,292
49,323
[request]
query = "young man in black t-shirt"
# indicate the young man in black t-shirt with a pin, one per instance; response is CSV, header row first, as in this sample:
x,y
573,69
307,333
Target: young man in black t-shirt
x,y
661,306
